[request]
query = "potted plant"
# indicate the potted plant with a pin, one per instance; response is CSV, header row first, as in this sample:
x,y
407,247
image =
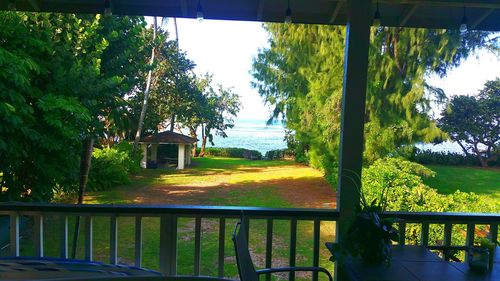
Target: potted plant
x,y
481,256
368,236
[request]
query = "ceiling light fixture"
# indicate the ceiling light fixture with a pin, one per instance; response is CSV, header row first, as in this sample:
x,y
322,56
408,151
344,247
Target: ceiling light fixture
x,y
288,14
376,17
107,8
463,23
199,12
11,5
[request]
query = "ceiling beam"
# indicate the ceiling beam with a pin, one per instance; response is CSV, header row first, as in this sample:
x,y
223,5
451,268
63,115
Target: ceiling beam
x,y
184,9
447,3
407,15
336,11
260,10
34,4
479,20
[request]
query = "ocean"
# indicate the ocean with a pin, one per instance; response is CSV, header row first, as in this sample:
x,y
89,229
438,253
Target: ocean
x,y
253,134
256,135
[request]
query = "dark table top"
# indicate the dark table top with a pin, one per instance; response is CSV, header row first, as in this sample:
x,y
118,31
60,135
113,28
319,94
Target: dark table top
x,y
47,268
416,263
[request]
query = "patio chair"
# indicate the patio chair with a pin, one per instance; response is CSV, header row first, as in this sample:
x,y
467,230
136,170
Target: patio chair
x,y
246,268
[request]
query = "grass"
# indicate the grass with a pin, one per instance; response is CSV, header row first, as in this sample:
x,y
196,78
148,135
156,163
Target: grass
x,y
212,181
484,182
236,182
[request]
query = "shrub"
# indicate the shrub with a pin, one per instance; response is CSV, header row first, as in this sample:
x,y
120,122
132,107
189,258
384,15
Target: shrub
x,y
112,166
280,154
406,191
443,158
232,152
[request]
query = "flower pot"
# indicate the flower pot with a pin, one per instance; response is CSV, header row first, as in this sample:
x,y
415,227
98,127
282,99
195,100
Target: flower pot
x,y
479,259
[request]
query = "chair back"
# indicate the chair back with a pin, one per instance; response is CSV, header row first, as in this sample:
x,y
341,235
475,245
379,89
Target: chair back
x,y
246,268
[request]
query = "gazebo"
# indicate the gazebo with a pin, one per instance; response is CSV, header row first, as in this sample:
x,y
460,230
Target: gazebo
x,y
183,143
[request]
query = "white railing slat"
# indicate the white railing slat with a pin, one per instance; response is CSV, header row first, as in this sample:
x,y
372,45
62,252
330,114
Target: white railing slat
x,y
138,242
269,246
38,235
197,246
168,244
88,237
64,237
222,239
425,234
293,247
14,234
113,240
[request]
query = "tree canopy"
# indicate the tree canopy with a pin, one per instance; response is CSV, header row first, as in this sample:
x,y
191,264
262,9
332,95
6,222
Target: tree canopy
x,y
474,122
300,76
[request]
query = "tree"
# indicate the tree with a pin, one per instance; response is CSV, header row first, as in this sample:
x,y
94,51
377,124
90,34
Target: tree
x,y
146,92
222,106
474,122
62,82
300,76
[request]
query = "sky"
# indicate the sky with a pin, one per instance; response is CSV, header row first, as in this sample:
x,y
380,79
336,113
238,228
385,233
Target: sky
x,y
226,50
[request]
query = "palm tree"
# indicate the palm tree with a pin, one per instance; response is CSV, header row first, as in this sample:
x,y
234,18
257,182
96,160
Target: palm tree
x,y
146,92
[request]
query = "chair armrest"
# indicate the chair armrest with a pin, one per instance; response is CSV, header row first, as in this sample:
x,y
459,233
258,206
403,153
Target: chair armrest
x,y
294,269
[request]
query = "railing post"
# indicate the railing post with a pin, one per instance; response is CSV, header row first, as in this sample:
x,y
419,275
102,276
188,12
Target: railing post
x,y
447,239
138,242
402,233
88,238
316,236
168,244
425,234
113,240
38,235
494,232
293,247
222,236
269,246
197,246
64,237
469,241
14,234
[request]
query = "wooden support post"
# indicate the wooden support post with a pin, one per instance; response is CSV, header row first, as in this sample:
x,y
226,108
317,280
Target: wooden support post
x,y
181,161
353,109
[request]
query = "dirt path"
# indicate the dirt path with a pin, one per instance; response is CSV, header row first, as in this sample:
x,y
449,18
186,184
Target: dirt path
x,y
288,185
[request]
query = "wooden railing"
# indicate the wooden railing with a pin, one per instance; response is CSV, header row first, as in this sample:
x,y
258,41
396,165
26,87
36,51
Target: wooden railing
x,y
168,234
448,220
168,225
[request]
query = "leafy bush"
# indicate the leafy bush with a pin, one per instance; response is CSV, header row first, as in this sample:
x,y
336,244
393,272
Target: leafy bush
x,y
402,180
443,158
279,154
232,152
112,166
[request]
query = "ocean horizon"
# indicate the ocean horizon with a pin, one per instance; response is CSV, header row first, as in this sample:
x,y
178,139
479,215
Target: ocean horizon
x,y
255,134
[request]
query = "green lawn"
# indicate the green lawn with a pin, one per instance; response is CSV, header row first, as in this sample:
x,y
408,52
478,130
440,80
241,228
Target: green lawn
x,y
484,182
211,181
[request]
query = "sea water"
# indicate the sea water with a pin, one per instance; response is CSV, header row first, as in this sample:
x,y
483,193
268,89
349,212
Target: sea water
x,y
255,134
252,134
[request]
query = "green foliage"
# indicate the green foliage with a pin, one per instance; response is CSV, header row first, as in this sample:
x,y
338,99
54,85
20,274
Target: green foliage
x,y
473,122
403,182
279,154
232,152
112,167
443,158
63,79
300,76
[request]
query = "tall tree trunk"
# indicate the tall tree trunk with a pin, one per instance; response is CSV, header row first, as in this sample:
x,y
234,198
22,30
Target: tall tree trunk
x,y
146,93
479,157
203,141
172,123
85,162
192,133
